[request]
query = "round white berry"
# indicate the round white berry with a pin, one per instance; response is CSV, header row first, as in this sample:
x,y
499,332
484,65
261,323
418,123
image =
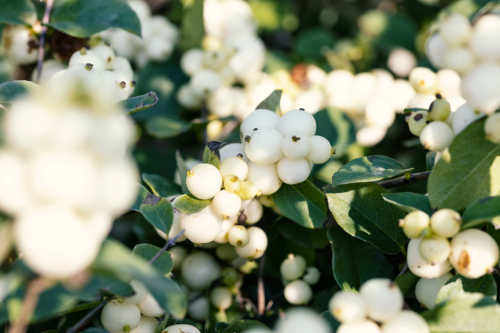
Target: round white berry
x,y
238,236
264,146
437,136
19,44
233,149
301,319
492,128
406,321
187,98
175,229
150,307
221,298
435,249
146,325
312,275
181,328
223,235
383,299
227,204
178,254
204,181
297,120
296,145
292,267
203,226
427,290
464,116
460,60
423,80
120,317
205,82
293,171
123,65
191,61
234,166
256,246
198,308
226,252
232,184
455,30
435,48
264,177
364,326
253,212
417,122
257,119
420,267
15,195
84,56
140,292
115,87
107,55
199,270
440,109
446,223
247,191
481,87
347,306
298,292
485,37
321,150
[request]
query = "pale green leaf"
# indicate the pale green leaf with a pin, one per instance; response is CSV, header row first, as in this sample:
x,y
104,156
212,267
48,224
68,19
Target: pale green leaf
x,y
244,325
160,186
188,204
458,284
139,103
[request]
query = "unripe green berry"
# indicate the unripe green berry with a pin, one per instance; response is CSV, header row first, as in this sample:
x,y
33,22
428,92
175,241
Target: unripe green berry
x,y
232,184
435,249
247,191
446,223
292,267
440,109
312,275
492,128
221,298
415,223
417,122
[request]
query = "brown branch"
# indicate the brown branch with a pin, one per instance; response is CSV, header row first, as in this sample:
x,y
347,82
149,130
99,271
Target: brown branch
x,y
405,180
41,47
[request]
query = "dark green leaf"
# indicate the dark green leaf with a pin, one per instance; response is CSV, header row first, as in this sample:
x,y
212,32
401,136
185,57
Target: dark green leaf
x,y
104,282
52,302
142,193
411,110
407,282
162,127
95,330
158,211
409,202
188,204
83,18
117,259
244,325
272,102
220,327
354,262
465,313
430,159
160,186
368,169
468,171
311,43
139,103
482,211
14,90
337,127
192,29
302,203
310,238
332,322
458,284
84,306
362,212
181,166
212,155
490,229
21,12
164,262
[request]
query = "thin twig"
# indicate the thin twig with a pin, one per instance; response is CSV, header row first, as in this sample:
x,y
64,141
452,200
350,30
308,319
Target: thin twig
x,y
41,47
89,316
35,288
404,180
169,243
261,302
405,268
271,302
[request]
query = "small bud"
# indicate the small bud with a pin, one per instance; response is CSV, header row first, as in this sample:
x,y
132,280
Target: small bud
x,y
438,96
247,139
89,66
239,155
122,84
333,151
83,51
295,138
190,173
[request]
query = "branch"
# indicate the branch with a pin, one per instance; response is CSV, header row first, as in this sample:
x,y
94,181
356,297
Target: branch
x,y
35,288
405,180
168,244
41,47
261,302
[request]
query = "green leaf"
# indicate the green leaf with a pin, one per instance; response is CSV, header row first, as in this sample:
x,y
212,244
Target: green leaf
x,y
430,160
162,325
465,313
220,327
12,91
142,193
244,325
411,110
21,12
272,102
310,238
407,282
83,18
302,203
188,204
211,153
85,306
362,212
354,262
468,171
458,284
52,302
160,186
181,166
368,169
139,103
332,322
103,282
158,211
162,127
409,202
118,260
490,229
311,43
337,128
192,27
164,262
482,211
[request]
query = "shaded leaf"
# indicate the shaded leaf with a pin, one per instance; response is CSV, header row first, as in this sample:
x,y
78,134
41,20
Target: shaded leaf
x,y
302,203
21,12
52,302
458,284
160,186
14,90
162,325
354,262
407,282
211,153
368,169
166,127
183,169
188,204
310,238
158,211
468,171
164,262
142,193
104,282
430,159
88,17
310,43
409,202
244,325
272,102
482,211
85,306
118,260
362,212
192,27
139,103
337,128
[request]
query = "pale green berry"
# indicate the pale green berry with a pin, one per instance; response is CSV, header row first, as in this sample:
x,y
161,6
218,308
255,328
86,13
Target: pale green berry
x,y
415,223
492,128
446,223
440,109
417,122
347,306
435,249
232,184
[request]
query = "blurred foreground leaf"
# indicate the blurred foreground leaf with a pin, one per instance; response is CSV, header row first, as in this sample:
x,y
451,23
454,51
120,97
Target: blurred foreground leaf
x,y
21,12
14,90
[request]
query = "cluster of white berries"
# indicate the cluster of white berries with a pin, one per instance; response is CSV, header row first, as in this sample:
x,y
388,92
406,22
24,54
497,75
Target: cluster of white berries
x,y
66,173
159,37
378,301
298,278
471,50
472,252
20,44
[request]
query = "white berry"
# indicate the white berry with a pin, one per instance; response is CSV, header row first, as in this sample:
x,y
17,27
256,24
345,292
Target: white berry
x,y
312,275
492,128
427,290
181,328
293,171
221,298
203,226
435,249
256,246
455,30
120,317
84,56
383,299
464,116
347,306
296,145
298,292
199,270
140,292
204,181
238,236
150,307
364,326
264,146
146,325
234,166
406,322
264,177
421,267
292,267
321,150
256,119
446,223
227,204
253,212
297,120
437,136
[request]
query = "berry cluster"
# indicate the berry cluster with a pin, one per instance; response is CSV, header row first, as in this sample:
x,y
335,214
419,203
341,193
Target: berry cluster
x,y
66,173
159,37
378,301
297,290
472,252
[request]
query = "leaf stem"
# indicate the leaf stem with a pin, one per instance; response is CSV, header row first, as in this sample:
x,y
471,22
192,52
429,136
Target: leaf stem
x,y
41,47
405,180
